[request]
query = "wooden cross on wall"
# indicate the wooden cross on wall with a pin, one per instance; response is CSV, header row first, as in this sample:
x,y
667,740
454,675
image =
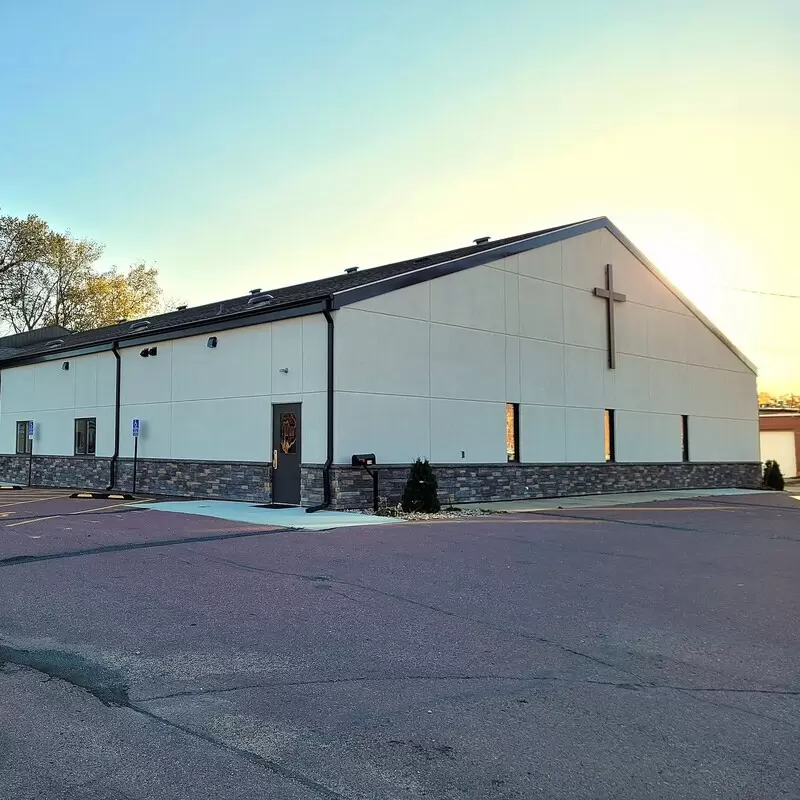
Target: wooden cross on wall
x,y
613,297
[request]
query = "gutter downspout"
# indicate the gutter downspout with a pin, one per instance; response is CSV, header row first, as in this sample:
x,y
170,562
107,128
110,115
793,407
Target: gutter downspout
x,y
115,456
326,467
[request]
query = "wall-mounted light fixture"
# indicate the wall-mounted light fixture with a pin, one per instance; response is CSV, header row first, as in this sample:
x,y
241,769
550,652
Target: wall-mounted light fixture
x,y
148,351
211,342
65,365
284,370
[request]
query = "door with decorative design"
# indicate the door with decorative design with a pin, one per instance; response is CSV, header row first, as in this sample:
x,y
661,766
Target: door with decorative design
x,y
286,453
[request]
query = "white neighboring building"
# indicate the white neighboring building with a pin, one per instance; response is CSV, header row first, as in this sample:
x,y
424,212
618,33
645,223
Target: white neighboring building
x,y
506,363
780,438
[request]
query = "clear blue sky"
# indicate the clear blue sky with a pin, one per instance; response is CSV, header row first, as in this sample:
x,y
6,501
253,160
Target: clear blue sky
x,y
255,143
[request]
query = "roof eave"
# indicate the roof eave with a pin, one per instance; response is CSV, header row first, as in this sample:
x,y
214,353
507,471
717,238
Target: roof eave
x,y
184,330
367,291
624,240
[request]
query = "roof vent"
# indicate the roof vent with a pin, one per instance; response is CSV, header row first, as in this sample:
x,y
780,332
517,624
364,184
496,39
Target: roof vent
x,y
482,239
120,321
255,291
351,270
53,343
181,308
141,325
260,299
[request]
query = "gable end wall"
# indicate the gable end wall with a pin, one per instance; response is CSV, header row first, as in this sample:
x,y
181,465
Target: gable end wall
x,y
427,370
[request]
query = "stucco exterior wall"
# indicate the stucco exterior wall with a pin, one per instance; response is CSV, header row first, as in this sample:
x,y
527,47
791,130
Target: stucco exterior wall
x,y
427,370
54,398
194,402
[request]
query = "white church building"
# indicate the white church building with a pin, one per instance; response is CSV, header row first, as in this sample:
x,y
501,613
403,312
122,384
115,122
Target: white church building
x,y
551,363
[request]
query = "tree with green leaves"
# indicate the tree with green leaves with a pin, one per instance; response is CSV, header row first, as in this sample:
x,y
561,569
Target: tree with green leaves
x,y
49,278
22,241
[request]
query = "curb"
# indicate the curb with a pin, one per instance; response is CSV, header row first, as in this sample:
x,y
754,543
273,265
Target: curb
x,y
103,496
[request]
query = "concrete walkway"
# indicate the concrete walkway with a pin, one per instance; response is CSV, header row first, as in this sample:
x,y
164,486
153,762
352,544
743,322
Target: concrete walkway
x,y
601,500
278,517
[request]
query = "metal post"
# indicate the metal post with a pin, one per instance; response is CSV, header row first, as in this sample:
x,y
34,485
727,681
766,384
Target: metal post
x,y
374,475
30,463
135,460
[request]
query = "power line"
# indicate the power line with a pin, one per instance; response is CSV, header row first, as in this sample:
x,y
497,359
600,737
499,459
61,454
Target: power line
x,y
767,294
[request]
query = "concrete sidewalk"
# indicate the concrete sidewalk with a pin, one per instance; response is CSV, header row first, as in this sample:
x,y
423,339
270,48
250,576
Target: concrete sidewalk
x,y
254,514
600,500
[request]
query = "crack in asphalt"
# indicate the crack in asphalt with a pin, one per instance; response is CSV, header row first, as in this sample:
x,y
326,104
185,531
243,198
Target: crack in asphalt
x,y
633,687
748,711
110,688
131,546
247,755
511,631
663,526
418,603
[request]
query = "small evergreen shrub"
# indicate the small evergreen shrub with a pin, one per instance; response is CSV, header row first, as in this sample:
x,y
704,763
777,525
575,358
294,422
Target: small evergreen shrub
x,y
421,489
773,478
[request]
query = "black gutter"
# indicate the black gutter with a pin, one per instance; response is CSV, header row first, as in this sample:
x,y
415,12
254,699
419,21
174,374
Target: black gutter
x,y
326,467
113,469
239,319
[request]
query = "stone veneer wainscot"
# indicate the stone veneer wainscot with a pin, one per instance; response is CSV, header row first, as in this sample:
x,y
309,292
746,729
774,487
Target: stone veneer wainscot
x,y
351,487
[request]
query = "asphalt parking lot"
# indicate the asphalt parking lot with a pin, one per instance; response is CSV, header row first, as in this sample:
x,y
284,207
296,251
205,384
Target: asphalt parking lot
x,y
635,652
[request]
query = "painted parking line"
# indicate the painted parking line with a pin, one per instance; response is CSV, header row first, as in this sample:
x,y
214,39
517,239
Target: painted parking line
x,y
28,521
74,513
105,508
35,500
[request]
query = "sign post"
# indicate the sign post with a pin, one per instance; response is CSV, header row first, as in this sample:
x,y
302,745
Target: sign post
x,y
135,428
31,431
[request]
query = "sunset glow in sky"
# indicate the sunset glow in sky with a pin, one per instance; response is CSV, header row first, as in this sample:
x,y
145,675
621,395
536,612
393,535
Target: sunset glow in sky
x,y
251,143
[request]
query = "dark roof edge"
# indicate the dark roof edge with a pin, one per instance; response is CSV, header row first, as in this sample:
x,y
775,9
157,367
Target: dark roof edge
x,y
382,286
391,284
635,251
183,331
385,285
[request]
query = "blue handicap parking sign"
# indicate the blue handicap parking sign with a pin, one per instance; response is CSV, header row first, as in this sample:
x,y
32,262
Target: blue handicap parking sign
x,y
30,428
135,427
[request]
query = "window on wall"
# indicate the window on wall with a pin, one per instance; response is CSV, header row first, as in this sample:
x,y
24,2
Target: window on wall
x,y
512,431
85,436
23,442
610,443
685,437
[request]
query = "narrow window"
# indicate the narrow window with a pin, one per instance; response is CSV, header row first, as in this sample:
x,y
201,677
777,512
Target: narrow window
x,y
512,431
85,436
685,437
23,442
610,444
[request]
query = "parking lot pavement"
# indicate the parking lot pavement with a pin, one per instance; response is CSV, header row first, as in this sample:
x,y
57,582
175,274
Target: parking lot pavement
x,y
632,652
38,524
